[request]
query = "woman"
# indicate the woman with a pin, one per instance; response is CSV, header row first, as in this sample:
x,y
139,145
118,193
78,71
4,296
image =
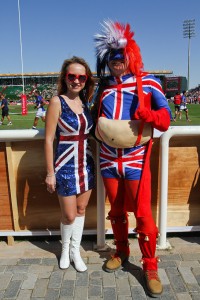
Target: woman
x,y
125,170
71,172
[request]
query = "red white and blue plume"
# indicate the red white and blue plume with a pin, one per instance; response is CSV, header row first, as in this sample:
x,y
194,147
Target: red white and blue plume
x,y
116,36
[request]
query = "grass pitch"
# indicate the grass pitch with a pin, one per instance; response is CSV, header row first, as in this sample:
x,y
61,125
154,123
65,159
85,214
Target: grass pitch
x,y
20,121
26,122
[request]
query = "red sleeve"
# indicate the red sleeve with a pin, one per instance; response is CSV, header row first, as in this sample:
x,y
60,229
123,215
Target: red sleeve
x,y
161,119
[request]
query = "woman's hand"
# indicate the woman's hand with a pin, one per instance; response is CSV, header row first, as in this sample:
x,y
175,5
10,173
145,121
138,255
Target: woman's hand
x,y
51,183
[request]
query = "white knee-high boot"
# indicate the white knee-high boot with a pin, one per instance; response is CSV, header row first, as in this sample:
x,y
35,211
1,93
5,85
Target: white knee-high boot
x,y
66,233
75,256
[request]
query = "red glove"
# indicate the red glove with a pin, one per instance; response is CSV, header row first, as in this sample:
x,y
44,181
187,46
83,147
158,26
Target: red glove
x,y
144,114
160,118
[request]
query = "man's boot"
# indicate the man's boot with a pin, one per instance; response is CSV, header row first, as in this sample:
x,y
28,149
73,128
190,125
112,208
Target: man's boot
x,y
153,282
120,230
147,233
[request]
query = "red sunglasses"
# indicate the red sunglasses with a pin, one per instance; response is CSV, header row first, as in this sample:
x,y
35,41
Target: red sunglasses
x,y
72,77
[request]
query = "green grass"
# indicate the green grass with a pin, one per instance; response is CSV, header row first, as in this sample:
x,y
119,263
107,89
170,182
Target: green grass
x,y
19,121
26,122
193,112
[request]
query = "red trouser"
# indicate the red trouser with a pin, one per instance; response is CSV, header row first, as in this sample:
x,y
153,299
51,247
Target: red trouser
x,y
122,195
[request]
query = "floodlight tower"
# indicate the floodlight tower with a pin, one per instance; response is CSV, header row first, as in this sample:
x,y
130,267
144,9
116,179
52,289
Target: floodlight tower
x,y
188,32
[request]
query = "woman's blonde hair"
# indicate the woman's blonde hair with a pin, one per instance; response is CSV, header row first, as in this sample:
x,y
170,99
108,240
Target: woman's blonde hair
x,y
85,94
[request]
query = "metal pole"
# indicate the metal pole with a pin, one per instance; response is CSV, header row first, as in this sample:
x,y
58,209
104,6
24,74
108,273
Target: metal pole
x,y
20,35
100,206
188,85
164,161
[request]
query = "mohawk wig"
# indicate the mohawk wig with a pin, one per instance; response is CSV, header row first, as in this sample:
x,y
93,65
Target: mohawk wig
x,y
113,37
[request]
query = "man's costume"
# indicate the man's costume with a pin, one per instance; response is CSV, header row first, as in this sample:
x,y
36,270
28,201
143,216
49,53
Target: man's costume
x,y
119,100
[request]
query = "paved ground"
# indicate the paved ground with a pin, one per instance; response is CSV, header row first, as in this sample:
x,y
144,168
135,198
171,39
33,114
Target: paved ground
x,y
29,270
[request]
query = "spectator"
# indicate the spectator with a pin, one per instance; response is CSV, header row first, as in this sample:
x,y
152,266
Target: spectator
x,y
128,93
71,171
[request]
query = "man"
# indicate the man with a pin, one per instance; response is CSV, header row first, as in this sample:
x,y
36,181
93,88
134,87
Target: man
x,y
177,102
126,171
39,105
5,110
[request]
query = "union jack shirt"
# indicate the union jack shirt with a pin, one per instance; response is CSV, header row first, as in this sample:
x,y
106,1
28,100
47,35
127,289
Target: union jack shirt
x,y
120,101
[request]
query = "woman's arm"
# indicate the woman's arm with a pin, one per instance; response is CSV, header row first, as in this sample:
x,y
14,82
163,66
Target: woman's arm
x,y
51,121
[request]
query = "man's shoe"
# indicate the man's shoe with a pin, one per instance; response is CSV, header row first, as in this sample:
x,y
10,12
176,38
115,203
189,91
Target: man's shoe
x,y
34,127
153,283
115,262
9,124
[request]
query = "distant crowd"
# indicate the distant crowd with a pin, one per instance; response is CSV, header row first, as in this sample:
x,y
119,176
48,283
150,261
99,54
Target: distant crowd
x,y
192,97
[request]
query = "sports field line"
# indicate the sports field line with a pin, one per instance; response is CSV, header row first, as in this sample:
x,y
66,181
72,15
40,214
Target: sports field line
x,y
30,112
22,119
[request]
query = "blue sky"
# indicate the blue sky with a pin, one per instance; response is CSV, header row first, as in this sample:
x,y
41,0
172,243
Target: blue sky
x,y
53,30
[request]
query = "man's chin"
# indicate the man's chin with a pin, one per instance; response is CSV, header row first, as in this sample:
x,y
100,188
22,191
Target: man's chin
x,y
118,72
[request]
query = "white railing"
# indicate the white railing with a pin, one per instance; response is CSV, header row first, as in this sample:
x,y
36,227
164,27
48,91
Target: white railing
x,y
29,134
164,156
21,135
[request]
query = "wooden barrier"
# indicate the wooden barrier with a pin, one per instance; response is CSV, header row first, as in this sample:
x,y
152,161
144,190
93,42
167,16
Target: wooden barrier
x,y
25,203
184,181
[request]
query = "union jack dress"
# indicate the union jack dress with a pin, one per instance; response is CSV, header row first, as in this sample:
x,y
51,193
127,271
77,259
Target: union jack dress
x,y
74,164
120,101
